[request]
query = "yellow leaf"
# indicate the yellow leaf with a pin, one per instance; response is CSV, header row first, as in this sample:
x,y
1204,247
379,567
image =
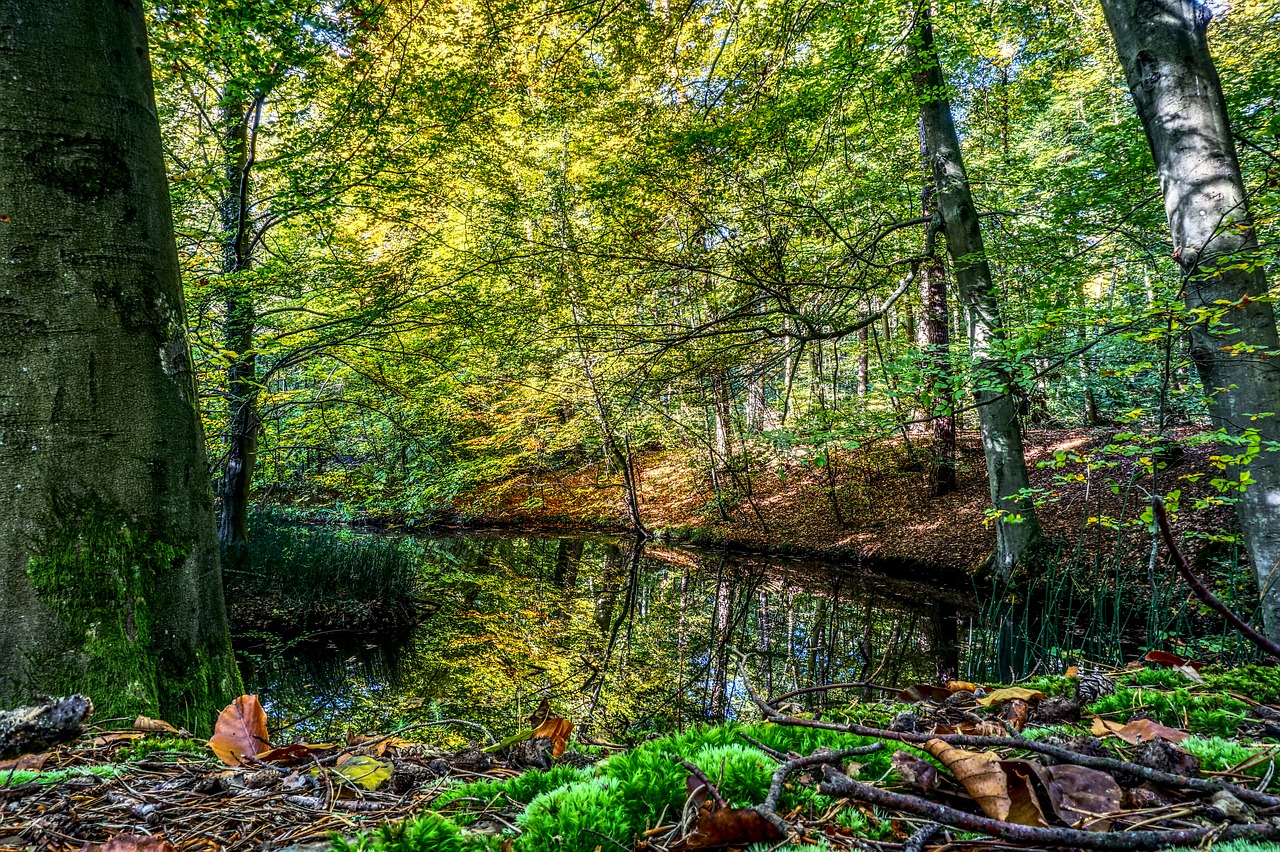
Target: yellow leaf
x,y
1009,693
369,772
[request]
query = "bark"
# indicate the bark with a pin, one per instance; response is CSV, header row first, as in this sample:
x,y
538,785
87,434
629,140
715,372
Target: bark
x,y
1017,528
242,386
1164,50
937,346
32,729
864,362
109,572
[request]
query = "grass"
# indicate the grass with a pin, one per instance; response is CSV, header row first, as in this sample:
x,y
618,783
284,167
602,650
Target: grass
x,y
295,578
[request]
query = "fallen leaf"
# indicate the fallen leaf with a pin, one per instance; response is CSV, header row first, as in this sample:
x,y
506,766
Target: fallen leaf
x,y
556,730
1072,671
132,843
1009,693
293,754
1173,661
540,715
1002,789
110,738
30,762
1138,731
984,728
730,827
924,692
1024,804
156,726
961,686
1016,713
368,772
241,731
1074,792
917,774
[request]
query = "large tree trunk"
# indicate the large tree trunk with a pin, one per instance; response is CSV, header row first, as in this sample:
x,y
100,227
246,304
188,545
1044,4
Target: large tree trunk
x,y
1017,528
242,384
1165,54
109,576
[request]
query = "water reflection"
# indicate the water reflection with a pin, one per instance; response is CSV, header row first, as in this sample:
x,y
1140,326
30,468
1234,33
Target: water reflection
x,y
623,639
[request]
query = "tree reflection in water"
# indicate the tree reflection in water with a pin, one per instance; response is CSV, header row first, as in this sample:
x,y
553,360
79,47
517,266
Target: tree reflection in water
x,y
622,638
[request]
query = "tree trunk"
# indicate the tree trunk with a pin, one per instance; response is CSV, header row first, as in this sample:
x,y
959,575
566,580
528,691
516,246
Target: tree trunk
x,y
1017,528
109,573
864,363
937,346
1165,53
242,385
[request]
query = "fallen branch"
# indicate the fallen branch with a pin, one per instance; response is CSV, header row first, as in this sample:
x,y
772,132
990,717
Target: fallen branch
x,y
769,810
1066,755
29,729
840,785
704,783
826,687
1201,590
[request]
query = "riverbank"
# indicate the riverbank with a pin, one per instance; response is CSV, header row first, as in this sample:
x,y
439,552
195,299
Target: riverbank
x,y
868,505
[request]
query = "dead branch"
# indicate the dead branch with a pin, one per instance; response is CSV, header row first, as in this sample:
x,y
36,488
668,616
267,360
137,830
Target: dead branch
x,y
703,781
1201,590
838,784
30,729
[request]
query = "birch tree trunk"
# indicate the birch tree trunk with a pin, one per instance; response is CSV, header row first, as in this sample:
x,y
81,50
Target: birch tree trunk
x,y
1017,528
1165,54
109,575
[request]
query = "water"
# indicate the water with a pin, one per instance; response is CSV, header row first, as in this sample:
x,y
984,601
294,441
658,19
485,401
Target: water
x,y
622,640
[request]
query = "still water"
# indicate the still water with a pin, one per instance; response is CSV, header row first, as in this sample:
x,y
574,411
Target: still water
x,y
621,639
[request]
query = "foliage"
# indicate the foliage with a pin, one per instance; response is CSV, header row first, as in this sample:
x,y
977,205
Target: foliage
x,y
1259,682
427,831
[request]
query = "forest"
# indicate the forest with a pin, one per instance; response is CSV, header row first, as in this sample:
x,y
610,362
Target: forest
x,y
632,424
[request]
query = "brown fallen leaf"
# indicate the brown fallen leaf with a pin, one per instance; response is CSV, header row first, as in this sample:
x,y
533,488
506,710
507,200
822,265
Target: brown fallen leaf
x,y
1016,713
1138,731
156,726
1001,788
1075,792
729,827
916,774
1072,671
1024,803
984,728
293,754
1173,661
131,843
241,731
924,692
541,714
30,762
1010,693
556,730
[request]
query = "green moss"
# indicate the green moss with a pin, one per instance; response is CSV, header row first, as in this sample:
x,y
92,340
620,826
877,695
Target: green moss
x,y
1219,755
578,817
1261,683
150,748
55,776
105,580
1165,678
1204,713
427,832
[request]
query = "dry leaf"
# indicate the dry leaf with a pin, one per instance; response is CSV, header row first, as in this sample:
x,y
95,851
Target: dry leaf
x,y
241,731
916,774
1016,712
155,726
110,738
132,843
556,730
1002,790
984,728
924,692
1173,661
540,715
1024,804
1072,671
1074,792
1009,693
30,762
292,755
1138,731
961,686
729,827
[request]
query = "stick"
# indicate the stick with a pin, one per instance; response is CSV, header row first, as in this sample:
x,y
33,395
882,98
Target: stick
x,y
839,784
774,702
1201,590
703,781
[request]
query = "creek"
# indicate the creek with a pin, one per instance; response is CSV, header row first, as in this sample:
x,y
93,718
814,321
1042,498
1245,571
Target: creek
x,y
623,640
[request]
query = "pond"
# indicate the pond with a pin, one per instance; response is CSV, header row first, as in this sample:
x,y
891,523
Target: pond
x,y
622,639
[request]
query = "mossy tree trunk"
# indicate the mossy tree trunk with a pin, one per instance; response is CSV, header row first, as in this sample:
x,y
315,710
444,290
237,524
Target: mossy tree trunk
x,y
109,575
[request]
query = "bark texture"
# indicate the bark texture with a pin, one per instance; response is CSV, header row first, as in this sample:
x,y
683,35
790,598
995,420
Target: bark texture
x,y
997,409
109,575
32,729
1164,50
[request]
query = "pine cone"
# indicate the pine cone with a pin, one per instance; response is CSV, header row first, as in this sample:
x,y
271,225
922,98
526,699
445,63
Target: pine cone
x,y
1091,687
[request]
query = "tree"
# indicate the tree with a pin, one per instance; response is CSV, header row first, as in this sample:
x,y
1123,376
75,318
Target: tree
x,y
109,569
1164,49
1017,528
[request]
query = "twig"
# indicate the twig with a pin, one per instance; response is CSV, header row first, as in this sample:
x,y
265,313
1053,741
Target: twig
x,y
702,780
838,784
774,753
769,810
1201,590
916,842
775,701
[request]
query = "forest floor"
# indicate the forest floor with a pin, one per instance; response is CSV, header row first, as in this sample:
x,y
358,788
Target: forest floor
x,y
885,514
1160,754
